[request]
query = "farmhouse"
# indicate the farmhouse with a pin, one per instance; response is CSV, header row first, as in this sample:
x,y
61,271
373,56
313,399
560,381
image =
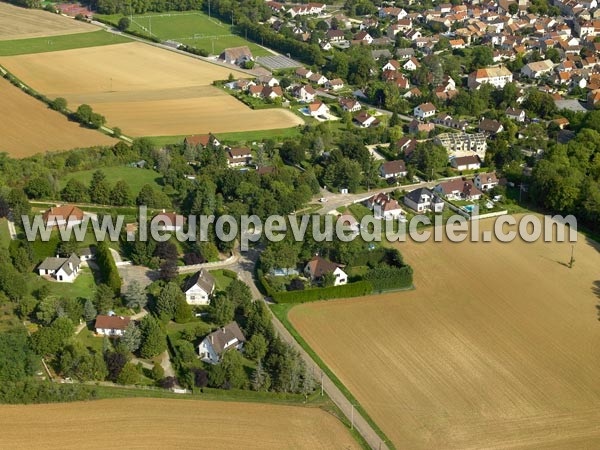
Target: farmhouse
x,y
317,267
199,288
458,190
168,221
486,181
424,110
61,269
111,325
422,200
218,342
393,169
496,76
63,216
236,55
468,162
201,141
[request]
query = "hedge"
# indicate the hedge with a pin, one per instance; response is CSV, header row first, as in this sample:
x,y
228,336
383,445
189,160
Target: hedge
x,y
229,274
388,278
108,268
357,289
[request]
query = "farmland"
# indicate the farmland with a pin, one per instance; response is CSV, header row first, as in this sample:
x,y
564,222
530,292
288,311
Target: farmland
x,y
496,347
21,23
144,90
192,28
170,424
29,127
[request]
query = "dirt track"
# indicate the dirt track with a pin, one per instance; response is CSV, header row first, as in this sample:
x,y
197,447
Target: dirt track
x,y
22,23
144,90
29,127
497,347
170,424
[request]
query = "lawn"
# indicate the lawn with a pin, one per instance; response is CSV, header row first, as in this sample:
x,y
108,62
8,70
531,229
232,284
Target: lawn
x,y
192,28
236,137
56,43
84,285
221,280
87,338
135,178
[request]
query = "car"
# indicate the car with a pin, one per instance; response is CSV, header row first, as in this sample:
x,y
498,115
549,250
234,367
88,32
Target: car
x,y
323,200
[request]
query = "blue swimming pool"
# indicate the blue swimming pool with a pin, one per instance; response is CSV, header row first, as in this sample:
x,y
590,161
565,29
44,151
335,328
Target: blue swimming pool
x,y
469,208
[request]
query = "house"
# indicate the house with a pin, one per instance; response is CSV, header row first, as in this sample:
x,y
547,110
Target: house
x,y
201,141
268,80
537,69
424,110
318,266
318,109
392,64
469,162
393,169
458,189
561,122
349,222
384,207
212,347
496,76
335,85
63,216
236,55
335,35
517,115
304,93
363,36
349,104
406,145
168,221
199,287
237,157
422,200
412,64
490,126
366,120
486,181
415,127
303,73
111,325
271,92
318,78
61,269
255,91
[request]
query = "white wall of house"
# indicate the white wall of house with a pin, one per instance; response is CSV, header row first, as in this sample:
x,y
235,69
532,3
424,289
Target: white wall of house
x,y
197,296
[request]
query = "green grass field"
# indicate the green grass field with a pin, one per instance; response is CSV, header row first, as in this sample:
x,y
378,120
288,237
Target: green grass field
x,y
221,280
191,28
84,285
136,178
235,137
56,43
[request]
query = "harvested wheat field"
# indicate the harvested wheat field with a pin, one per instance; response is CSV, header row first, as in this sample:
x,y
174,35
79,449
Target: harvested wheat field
x,y
144,90
498,347
170,424
28,126
22,23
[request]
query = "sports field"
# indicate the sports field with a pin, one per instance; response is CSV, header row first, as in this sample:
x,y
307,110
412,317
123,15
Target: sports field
x,y
28,126
498,347
170,424
22,23
190,28
144,90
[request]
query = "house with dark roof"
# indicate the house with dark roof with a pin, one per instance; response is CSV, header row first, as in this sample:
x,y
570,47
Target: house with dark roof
x,y
393,169
61,269
318,266
239,156
236,55
490,126
229,337
468,162
111,325
486,181
458,189
422,200
201,141
199,287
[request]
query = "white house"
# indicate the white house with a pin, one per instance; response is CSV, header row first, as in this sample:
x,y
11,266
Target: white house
x,y
517,115
111,325
317,267
318,79
411,65
458,189
238,156
366,120
168,221
199,288
486,181
388,209
61,269
392,64
335,84
350,104
317,109
212,347
424,110
236,55
393,169
304,93
422,200
469,162
496,76
537,69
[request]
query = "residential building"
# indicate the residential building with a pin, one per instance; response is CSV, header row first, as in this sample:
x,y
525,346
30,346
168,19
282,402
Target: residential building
x,y
412,64
469,162
212,347
238,157
165,221
366,120
63,216
537,69
335,84
463,143
236,55
304,93
422,200
496,76
486,181
458,189
111,325
318,109
490,126
350,104
424,110
518,115
318,266
393,169
201,140
199,288
61,269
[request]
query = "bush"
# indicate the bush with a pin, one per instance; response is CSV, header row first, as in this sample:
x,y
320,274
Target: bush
x,y
229,274
124,23
386,278
357,289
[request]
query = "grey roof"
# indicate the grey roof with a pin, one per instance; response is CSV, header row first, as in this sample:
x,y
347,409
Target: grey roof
x,y
415,195
56,264
202,279
220,338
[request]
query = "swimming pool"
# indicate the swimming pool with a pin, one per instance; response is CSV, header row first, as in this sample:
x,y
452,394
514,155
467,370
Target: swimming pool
x,y
469,208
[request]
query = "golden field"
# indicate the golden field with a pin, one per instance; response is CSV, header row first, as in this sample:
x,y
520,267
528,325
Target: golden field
x,y
144,90
498,347
169,424
28,126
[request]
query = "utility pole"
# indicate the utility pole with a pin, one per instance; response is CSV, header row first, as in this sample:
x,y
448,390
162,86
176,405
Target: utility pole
x,y
352,416
321,383
572,261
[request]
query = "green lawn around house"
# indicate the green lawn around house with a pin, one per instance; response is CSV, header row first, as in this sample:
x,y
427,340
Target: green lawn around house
x,y
87,338
84,285
134,177
221,280
56,43
192,28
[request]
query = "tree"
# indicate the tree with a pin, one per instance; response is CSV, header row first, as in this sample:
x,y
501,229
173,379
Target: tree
x,y
128,375
328,279
74,191
116,131
223,309
256,347
229,373
89,311
104,298
132,338
158,372
59,104
49,340
260,378
135,296
99,190
123,24
168,300
76,361
39,187
120,195
513,9
84,113
153,337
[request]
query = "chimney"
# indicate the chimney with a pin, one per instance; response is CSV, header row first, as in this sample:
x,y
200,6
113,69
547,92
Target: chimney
x,y
223,330
212,339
